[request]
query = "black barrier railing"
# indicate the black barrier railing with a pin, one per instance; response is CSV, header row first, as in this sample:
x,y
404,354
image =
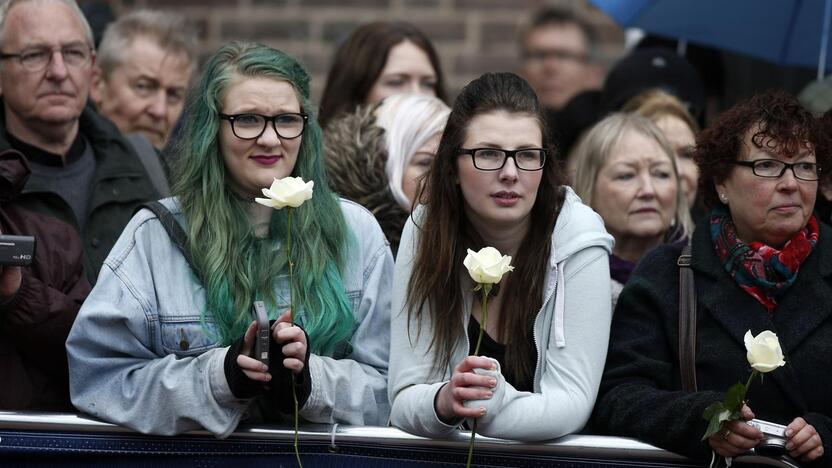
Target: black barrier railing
x,y
53,439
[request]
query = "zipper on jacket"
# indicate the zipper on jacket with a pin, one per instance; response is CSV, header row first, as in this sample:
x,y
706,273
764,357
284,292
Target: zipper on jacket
x,y
537,372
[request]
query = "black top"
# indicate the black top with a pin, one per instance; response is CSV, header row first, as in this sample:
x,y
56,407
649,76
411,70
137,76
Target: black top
x,y
495,350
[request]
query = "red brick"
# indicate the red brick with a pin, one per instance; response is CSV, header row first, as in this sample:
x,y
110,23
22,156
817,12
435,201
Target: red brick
x,y
517,5
502,33
484,62
250,30
346,3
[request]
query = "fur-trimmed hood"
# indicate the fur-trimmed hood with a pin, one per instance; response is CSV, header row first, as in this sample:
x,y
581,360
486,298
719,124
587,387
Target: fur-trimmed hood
x,y
355,164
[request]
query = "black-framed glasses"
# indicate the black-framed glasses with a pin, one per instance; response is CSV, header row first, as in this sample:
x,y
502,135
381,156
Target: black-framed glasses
x,y
251,126
774,168
38,58
493,159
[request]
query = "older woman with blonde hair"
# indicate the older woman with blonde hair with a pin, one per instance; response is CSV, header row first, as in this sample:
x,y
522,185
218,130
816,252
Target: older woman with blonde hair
x,y
627,172
679,127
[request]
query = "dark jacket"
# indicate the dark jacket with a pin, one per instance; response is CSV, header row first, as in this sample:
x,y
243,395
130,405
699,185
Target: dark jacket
x,y
355,163
120,184
640,393
35,323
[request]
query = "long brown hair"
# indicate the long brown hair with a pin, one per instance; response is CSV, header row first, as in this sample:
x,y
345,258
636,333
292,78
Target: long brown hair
x,y
360,60
437,277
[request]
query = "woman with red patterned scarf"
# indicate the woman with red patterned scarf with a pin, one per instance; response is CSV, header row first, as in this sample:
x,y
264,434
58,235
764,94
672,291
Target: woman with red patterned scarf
x,y
761,261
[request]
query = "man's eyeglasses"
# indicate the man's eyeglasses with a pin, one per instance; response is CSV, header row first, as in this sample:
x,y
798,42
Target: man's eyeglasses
x,y
493,159
251,126
38,58
774,168
560,55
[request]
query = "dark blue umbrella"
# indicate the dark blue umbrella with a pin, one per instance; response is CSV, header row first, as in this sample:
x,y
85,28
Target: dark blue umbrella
x,y
788,32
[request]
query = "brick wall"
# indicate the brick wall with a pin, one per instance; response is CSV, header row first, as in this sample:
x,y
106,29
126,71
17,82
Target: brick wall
x,y
472,36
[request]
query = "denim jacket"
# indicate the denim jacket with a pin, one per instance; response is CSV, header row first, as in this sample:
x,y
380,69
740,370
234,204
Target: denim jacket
x,y
139,355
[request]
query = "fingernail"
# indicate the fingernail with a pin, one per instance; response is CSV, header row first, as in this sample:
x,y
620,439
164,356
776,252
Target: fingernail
x,y
482,412
788,432
489,394
789,446
492,382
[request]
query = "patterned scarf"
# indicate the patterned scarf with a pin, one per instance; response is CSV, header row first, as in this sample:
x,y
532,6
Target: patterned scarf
x,y
761,270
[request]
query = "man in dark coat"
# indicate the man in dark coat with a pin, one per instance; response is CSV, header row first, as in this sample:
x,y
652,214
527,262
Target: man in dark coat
x,y
82,171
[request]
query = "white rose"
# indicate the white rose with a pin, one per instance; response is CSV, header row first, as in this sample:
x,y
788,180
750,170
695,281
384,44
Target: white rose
x,y
288,191
764,353
487,266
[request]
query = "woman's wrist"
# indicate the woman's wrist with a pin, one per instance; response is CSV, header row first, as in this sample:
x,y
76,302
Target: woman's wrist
x,y
440,406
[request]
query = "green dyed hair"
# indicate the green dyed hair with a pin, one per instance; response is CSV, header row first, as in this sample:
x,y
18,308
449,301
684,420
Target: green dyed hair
x,y
235,266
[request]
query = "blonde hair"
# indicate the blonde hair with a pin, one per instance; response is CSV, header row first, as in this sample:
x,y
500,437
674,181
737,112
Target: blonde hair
x,y
654,104
409,121
597,146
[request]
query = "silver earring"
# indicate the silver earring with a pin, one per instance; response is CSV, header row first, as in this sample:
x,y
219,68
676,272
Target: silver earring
x,y
723,198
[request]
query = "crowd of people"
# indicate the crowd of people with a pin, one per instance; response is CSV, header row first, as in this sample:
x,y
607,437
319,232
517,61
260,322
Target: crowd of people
x,y
137,171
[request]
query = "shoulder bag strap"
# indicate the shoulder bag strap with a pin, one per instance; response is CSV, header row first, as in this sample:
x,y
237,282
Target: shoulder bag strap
x,y
173,228
152,162
687,322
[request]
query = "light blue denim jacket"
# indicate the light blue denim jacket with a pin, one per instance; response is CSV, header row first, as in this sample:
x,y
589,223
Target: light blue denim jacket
x,y
139,355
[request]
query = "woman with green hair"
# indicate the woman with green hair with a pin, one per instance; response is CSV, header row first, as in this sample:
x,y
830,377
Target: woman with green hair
x,y
162,344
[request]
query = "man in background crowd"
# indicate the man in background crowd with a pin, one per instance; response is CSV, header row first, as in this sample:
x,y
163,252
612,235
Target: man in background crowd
x,y
559,52
145,62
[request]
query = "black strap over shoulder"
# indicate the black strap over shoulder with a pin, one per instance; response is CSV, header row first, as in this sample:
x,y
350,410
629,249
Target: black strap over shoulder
x,y
687,322
172,227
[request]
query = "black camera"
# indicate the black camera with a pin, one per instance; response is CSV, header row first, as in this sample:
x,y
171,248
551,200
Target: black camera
x,y
17,250
774,438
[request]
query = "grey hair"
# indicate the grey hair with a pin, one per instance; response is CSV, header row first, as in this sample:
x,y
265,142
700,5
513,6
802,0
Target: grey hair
x,y
6,5
409,121
171,31
596,147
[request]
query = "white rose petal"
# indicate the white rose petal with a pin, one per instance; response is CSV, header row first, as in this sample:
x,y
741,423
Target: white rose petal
x,y
288,191
487,266
763,351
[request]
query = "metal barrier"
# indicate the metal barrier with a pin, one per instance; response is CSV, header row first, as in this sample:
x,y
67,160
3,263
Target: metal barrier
x,y
56,439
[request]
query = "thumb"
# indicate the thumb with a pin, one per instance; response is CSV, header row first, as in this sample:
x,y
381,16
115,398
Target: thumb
x,y
286,317
747,414
248,339
10,279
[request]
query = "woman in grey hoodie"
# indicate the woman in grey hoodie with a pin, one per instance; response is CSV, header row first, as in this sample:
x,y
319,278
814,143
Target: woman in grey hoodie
x,y
493,183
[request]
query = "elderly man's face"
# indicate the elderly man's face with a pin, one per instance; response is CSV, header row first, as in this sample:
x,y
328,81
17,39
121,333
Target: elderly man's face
x,y
56,94
146,92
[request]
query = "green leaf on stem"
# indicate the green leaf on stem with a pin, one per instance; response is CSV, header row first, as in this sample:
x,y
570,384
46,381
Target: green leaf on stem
x,y
735,396
712,410
713,428
719,414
